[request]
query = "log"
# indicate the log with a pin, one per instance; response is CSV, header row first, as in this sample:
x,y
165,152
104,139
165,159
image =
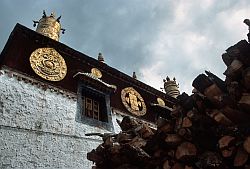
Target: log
x,y
128,123
137,142
186,122
241,157
165,126
124,137
227,59
173,139
235,116
127,166
210,160
219,82
246,78
200,102
171,153
241,49
146,131
235,69
188,167
94,156
186,101
190,114
158,153
226,144
115,149
167,164
186,152
219,117
177,110
226,141
244,102
246,144
177,166
185,133
201,82
234,90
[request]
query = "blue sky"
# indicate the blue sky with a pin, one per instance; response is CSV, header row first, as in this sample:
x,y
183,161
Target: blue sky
x,y
154,38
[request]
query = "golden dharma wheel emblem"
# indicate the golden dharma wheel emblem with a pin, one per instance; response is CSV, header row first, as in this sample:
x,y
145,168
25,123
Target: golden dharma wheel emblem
x,y
133,101
96,72
160,102
48,64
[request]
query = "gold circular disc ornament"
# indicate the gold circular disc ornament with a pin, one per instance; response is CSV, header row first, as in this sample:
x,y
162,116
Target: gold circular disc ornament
x,y
96,72
133,101
160,102
48,64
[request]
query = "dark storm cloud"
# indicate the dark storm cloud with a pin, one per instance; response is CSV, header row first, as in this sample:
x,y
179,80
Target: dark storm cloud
x,y
119,29
155,38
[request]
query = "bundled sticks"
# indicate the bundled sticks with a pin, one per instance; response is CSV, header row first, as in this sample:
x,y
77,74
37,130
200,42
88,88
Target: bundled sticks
x,y
209,129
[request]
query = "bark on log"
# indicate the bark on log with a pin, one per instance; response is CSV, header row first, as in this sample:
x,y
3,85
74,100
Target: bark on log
x,y
246,144
186,152
201,82
219,117
173,139
235,69
226,144
246,78
240,158
244,102
227,59
186,122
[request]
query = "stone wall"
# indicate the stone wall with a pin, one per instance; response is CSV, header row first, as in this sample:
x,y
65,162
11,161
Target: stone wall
x,y
38,127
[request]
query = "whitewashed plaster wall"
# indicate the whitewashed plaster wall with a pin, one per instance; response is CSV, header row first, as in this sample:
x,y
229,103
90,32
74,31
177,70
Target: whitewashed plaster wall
x,y
38,127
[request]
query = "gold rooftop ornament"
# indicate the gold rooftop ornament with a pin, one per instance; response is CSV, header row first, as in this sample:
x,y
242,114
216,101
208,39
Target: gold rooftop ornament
x,y
96,72
100,58
247,22
160,101
133,101
134,75
171,88
49,26
48,64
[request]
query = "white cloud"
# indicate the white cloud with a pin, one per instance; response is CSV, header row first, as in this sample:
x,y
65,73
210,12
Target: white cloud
x,y
184,49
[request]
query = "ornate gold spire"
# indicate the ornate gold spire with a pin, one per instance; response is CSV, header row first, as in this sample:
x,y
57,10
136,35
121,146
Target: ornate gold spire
x,y
100,58
49,26
134,75
247,22
171,88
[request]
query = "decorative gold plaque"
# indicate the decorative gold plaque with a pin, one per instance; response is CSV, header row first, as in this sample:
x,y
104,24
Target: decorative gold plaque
x,y
96,72
160,102
133,101
48,64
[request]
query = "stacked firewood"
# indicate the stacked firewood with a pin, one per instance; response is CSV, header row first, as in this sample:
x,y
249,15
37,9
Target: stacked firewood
x,y
209,129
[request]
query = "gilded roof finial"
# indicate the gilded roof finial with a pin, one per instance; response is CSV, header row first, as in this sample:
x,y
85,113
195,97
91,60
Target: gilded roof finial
x,y
247,22
134,75
100,58
171,88
52,15
49,26
44,14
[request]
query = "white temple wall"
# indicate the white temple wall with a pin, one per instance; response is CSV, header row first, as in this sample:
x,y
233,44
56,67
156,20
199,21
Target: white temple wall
x,y
38,127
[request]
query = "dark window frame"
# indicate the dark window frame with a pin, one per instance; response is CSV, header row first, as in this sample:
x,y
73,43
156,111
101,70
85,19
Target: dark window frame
x,y
105,121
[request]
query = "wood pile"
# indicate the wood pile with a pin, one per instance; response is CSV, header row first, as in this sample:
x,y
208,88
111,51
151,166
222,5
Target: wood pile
x,y
208,130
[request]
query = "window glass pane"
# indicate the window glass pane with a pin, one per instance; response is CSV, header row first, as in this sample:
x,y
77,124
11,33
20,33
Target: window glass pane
x,y
96,110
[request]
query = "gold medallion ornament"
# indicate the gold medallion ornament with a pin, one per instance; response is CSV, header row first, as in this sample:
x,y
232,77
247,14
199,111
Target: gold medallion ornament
x,y
96,72
160,102
133,101
48,64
